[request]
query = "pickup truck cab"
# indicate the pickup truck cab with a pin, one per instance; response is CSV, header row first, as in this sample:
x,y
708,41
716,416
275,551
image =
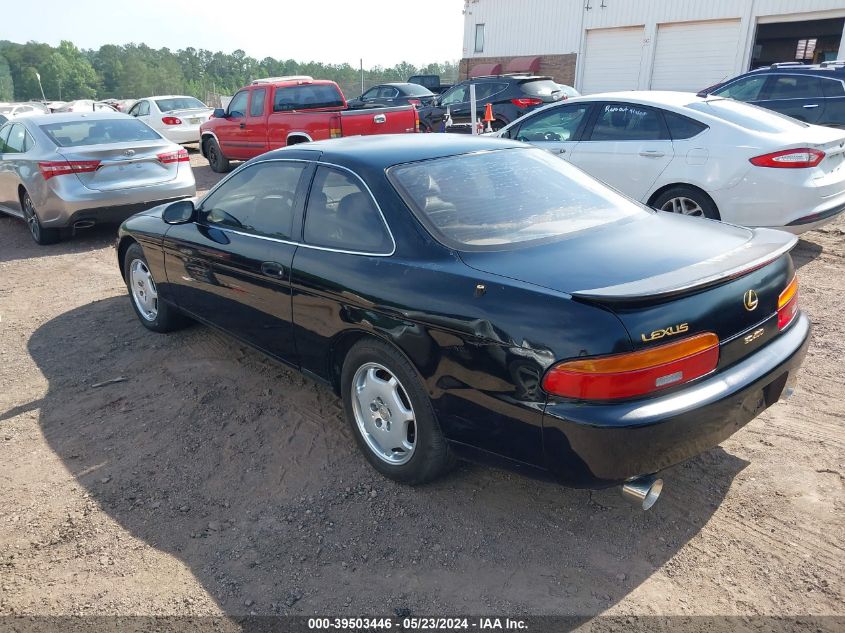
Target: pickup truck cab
x,y
281,111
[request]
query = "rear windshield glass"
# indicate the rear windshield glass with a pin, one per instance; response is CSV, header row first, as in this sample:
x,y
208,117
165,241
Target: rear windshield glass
x,y
308,96
415,90
96,132
747,115
540,88
180,103
493,199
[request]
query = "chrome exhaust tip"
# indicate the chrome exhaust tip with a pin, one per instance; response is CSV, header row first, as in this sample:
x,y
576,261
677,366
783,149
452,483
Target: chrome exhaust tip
x,y
643,491
83,224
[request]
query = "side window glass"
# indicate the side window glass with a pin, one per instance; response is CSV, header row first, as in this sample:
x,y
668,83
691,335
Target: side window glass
x,y
259,199
143,108
795,87
133,111
256,102
833,88
237,106
558,124
341,214
680,127
17,140
626,122
747,89
4,136
372,93
454,96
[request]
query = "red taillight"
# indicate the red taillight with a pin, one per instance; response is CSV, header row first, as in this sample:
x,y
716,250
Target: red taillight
x,y
788,304
171,120
51,169
526,102
635,373
179,156
790,158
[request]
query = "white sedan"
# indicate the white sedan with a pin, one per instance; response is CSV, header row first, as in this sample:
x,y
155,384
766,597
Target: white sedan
x,y
177,118
711,157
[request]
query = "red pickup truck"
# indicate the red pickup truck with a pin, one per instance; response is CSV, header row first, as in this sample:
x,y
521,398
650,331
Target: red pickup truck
x,y
280,111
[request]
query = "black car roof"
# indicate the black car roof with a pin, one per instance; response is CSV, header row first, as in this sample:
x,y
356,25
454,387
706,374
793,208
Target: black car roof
x,y
384,150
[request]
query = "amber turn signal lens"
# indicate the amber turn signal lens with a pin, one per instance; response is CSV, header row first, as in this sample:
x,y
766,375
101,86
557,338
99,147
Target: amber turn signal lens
x,y
635,373
788,303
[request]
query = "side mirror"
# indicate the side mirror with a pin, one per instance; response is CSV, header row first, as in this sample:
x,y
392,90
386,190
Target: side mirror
x,y
219,113
180,212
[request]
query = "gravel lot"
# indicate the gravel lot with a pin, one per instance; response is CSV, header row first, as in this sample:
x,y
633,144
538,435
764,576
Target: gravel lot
x,y
211,481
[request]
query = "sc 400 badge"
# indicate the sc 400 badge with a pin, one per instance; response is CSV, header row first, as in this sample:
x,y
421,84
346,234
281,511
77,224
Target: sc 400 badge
x,y
754,335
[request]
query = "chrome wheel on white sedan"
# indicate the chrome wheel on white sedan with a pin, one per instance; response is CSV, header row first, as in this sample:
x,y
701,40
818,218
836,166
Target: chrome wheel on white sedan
x,y
684,206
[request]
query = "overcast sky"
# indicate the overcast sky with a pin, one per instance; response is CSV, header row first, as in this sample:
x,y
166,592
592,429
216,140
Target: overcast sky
x,y
383,32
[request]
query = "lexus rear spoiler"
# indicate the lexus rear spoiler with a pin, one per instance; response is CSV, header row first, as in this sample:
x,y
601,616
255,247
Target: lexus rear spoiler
x,y
764,247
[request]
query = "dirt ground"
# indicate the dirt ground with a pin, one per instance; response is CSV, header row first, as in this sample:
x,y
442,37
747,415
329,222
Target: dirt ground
x,y
211,481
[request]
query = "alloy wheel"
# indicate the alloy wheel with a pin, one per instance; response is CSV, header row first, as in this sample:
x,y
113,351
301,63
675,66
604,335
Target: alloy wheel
x,y
384,414
684,206
143,288
31,218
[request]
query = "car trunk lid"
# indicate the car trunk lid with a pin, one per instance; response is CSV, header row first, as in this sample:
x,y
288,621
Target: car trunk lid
x,y
125,165
664,276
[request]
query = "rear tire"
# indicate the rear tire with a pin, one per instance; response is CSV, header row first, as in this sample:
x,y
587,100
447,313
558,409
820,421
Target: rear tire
x,y
155,315
218,162
687,200
391,415
39,234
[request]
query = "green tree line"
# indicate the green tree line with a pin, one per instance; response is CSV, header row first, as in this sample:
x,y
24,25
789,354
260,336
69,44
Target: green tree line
x,y
136,70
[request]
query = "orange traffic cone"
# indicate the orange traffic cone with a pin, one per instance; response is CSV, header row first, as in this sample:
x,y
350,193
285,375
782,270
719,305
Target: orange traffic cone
x,y
488,117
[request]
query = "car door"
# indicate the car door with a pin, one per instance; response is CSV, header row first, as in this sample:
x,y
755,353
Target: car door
x,y
15,142
798,96
453,101
231,133
556,129
625,145
255,132
231,268
141,111
345,238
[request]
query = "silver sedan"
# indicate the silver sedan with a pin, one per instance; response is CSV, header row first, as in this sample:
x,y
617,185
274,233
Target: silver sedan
x,y
74,170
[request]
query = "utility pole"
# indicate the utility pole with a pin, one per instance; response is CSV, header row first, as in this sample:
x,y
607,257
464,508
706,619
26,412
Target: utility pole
x,y
38,76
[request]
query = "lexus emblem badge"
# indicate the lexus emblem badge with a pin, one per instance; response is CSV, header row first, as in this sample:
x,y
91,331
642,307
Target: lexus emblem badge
x,y
749,300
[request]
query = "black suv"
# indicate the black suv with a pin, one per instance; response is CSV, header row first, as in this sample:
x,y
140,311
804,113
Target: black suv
x,y
814,93
511,96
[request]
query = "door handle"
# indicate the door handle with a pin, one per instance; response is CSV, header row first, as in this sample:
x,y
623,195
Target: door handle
x,y
559,150
811,105
243,125
273,269
379,118
652,153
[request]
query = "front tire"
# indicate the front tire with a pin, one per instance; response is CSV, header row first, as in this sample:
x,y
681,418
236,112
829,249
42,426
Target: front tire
x,y
40,235
687,200
153,314
391,415
218,162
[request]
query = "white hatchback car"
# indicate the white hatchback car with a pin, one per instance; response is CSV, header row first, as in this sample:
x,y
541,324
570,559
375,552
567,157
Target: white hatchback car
x,y
177,118
710,156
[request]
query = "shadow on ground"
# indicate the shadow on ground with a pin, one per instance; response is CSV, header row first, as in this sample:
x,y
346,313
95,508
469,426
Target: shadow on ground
x,y
17,242
245,471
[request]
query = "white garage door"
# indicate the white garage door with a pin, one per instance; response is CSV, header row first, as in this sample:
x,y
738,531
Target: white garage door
x,y
694,55
612,60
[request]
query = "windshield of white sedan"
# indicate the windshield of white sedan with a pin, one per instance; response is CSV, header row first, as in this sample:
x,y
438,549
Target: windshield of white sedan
x,y
506,197
180,103
94,132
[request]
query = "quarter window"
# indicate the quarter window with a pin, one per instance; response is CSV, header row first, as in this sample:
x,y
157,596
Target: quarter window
x,y
557,124
833,88
341,214
259,199
237,106
680,127
143,108
256,102
627,122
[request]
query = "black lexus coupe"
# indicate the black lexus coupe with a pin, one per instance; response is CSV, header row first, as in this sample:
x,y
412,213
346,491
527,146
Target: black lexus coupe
x,y
479,298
